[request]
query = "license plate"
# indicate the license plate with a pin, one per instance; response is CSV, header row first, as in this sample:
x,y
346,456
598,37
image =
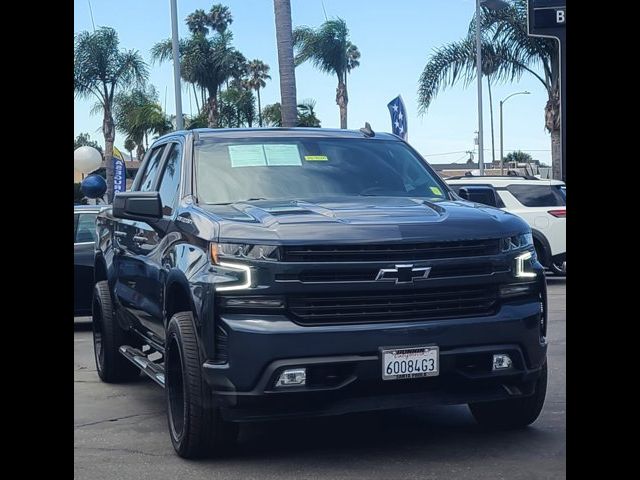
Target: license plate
x,y
413,362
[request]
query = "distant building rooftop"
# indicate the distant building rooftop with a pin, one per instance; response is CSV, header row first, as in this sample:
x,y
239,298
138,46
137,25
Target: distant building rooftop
x,y
438,167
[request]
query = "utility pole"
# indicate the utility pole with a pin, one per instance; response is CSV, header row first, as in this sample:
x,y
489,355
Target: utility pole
x,y
176,64
479,75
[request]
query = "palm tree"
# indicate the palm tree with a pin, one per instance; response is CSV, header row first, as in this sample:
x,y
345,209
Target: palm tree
x,y
505,31
238,106
138,114
307,115
507,27
286,66
455,62
272,115
100,69
258,72
220,18
207,63
129,146
198,22
329,49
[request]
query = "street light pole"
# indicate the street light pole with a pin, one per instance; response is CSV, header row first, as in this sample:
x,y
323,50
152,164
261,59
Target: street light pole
x,y
176,64
501,136
491,5
479,75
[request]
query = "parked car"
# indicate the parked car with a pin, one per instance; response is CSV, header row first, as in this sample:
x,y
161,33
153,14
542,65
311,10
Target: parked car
x,y
270,273
84,235
542,203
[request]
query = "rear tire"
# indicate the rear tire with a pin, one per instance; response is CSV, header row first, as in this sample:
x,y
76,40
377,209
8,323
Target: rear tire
x,y
108,337
196,426
515,413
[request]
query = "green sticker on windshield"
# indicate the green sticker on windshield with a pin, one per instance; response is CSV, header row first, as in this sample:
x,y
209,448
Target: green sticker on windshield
x,y
247,156
282,154
316,158
436,191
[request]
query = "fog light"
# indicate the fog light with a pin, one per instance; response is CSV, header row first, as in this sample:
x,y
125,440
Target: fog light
x,y
292,378
501,361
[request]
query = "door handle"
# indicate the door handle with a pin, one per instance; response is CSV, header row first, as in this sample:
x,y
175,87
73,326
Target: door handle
x,y
120,234
140,239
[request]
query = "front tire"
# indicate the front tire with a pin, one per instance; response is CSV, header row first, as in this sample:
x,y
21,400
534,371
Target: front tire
x,y
195,425
557,269
514,413
112,367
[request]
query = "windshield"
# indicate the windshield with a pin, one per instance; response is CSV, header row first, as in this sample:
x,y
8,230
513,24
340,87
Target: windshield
x,y
234,170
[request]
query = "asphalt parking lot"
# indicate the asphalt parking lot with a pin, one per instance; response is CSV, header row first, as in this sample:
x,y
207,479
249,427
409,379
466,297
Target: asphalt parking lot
x,y
120,431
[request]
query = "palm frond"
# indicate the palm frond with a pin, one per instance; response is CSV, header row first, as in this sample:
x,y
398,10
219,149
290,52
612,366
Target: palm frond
x,y
448,64
325,47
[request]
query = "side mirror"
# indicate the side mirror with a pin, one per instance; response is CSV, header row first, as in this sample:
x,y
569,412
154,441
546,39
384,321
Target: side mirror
x,y
142,206
479,194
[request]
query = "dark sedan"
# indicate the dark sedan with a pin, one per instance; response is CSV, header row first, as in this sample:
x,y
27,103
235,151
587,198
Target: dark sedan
x,y
84,235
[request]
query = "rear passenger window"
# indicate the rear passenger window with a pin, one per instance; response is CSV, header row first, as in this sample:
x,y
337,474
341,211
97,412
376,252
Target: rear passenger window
x,y
151,171
457,186
537,195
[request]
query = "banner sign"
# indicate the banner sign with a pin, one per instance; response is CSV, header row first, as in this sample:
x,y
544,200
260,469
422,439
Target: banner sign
x,y
119,172
398,117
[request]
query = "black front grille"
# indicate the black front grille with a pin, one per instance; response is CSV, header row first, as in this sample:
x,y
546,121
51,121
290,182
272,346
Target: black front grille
x,y
437,303
369,274
391,252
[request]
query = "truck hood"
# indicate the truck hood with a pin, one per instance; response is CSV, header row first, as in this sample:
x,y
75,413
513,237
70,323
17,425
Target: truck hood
x,y
358,220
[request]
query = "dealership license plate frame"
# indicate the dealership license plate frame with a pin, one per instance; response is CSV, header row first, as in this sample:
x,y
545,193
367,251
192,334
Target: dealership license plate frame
x,y
430,351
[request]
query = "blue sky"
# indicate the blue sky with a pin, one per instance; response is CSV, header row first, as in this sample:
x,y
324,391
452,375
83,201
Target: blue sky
x,y
395,40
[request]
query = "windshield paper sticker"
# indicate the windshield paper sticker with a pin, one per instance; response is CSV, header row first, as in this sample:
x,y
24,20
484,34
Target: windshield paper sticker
x,y
436,191
282,155
316,158
247,156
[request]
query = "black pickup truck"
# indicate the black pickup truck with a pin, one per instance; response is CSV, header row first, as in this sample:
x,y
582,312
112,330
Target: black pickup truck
x,y
269,273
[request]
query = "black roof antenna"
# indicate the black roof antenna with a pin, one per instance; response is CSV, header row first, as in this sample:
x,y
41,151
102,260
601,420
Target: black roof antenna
x,y
366,131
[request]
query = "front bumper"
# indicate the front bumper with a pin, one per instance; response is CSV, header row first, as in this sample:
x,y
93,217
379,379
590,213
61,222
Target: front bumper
x,y
344,366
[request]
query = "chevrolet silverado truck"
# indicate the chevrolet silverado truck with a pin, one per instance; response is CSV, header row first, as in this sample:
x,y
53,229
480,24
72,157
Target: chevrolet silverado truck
x,y
269,273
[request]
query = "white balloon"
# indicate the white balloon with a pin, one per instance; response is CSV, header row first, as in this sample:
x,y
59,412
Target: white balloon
x,y
86,159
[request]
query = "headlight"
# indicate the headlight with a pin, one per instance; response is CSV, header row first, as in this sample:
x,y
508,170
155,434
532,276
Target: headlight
x,y
524,265
234,251
242,274
517,242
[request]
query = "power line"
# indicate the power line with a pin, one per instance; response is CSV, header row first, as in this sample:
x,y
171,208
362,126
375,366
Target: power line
x,y
486,150
461,158
445,153
524,149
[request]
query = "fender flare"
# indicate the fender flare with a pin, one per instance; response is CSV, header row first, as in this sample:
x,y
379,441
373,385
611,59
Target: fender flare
x,y
542,240
176,279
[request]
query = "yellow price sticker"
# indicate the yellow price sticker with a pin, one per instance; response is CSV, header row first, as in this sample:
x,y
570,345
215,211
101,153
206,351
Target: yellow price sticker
x,y
436,191
316,158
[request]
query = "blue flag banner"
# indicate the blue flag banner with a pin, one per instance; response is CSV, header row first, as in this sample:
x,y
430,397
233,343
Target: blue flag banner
x,y
398,117
119,172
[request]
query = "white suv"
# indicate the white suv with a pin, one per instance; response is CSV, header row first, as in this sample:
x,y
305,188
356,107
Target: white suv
x,y
542,203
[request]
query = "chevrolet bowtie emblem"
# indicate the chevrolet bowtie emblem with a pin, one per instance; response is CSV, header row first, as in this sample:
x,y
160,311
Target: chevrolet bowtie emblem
x,y
403,274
